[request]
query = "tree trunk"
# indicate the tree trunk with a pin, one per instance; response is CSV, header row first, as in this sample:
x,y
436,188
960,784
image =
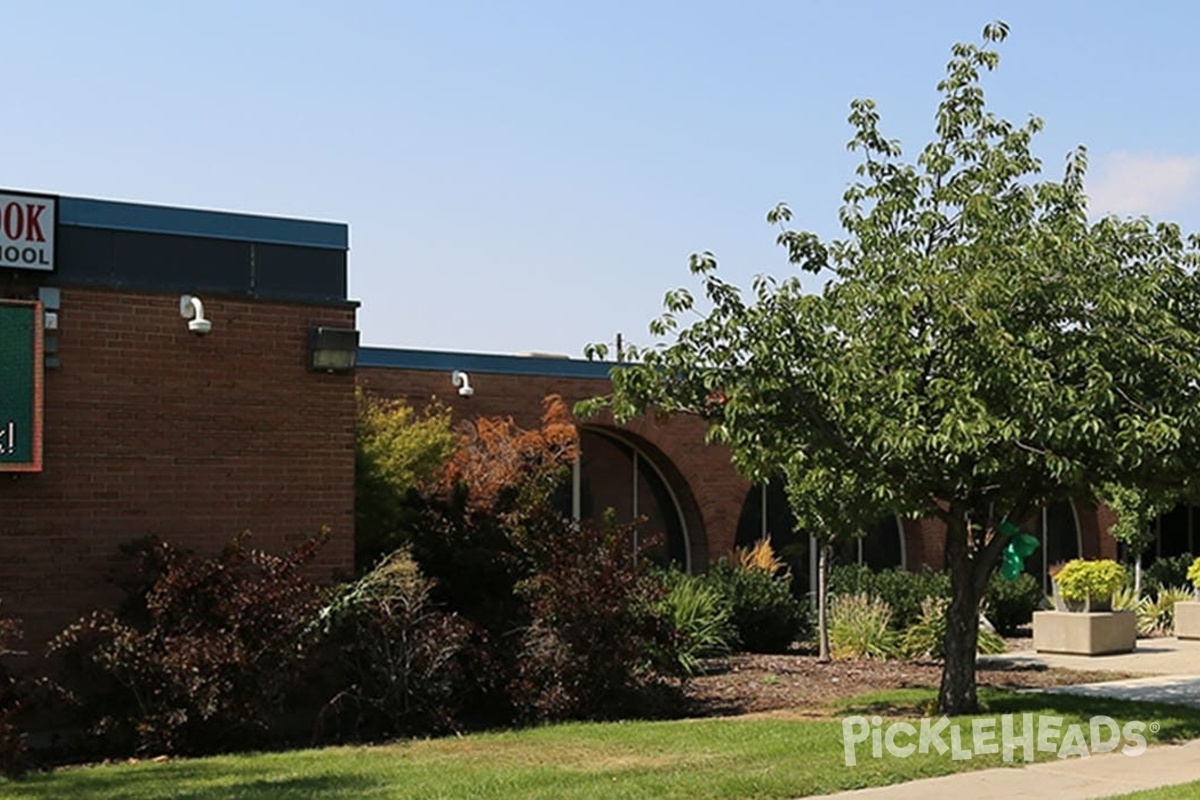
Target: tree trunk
x,y
1137,577
822,600
957,693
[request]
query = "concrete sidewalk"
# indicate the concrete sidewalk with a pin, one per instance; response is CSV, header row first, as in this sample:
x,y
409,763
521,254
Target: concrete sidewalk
x,y
1164,656
1069,779
1172,668
1180,690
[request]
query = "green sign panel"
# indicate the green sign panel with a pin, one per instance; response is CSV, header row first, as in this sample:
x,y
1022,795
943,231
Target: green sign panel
x,y
20,387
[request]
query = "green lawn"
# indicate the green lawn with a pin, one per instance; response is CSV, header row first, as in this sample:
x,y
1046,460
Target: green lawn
x,y
1184,791
731,758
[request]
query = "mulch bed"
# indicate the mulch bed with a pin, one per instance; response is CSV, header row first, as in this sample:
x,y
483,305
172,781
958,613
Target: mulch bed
x,y
805,686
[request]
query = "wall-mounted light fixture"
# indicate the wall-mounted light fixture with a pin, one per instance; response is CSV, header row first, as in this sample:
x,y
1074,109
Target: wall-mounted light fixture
x,y
191,309
332,349
463,381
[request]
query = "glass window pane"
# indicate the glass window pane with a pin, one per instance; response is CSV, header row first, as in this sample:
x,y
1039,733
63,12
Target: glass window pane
x,y
655,504
1063,541
750,521
606,478
1173,535
606,482
791,546
882,548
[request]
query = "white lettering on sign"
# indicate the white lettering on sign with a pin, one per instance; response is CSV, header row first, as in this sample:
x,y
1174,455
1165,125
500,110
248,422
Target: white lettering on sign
x,y
8,438
27,231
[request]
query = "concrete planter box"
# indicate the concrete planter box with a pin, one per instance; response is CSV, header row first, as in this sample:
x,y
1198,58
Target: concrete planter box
x,y
1187,620
1084,633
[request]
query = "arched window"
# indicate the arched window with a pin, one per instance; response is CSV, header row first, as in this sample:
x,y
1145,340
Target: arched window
x,y
766,512
882,547
613,473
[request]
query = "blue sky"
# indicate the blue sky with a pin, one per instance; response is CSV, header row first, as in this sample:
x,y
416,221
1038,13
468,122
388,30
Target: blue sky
x,y
533,175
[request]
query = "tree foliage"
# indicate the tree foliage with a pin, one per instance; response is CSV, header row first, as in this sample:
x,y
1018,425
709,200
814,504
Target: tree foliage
x,y
503,464
973,347
398,452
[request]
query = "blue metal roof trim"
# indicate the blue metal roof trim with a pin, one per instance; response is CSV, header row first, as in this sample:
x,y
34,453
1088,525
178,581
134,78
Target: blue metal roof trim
x,y
482,362
89,213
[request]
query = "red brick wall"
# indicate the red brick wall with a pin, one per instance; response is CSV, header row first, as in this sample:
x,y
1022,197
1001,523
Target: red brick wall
x,y
1093,531
712,490
925,540
150,429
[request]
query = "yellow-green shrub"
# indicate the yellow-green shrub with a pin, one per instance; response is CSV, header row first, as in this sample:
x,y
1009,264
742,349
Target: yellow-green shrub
x,y
926,638
1193,573
1162,609
1091,581
859,627
397,451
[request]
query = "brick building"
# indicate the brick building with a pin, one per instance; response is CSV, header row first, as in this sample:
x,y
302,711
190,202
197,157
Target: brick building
x,y
662,470
152,428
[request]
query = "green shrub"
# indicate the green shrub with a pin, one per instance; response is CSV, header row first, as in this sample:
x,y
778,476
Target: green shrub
x,y
486,524
902,590
573,625
1167,571
1082,581
1193,574
926,638
1125,600
766,617
859,627
396,664
1155,614
700,618
397,453
1160,612
1010,604
16,697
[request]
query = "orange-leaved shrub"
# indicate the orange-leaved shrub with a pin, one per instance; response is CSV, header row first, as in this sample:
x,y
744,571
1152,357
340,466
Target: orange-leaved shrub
x,y
572,621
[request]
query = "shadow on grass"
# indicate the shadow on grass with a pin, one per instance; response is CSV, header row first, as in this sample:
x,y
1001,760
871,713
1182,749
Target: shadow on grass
x,y
897,703
187,780
1176,723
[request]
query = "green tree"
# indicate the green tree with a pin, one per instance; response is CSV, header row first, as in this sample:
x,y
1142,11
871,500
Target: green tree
x,y
397,453
1136,508
976,348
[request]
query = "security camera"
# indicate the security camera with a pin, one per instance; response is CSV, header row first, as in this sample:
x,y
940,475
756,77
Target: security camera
x,y
191,309
199,326
463,382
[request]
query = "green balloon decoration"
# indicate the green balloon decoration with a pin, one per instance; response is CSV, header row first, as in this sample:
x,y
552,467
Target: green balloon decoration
x,y
1020,546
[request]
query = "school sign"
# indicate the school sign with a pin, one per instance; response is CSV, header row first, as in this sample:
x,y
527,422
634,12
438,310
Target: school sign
x,y
27,228
20,386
